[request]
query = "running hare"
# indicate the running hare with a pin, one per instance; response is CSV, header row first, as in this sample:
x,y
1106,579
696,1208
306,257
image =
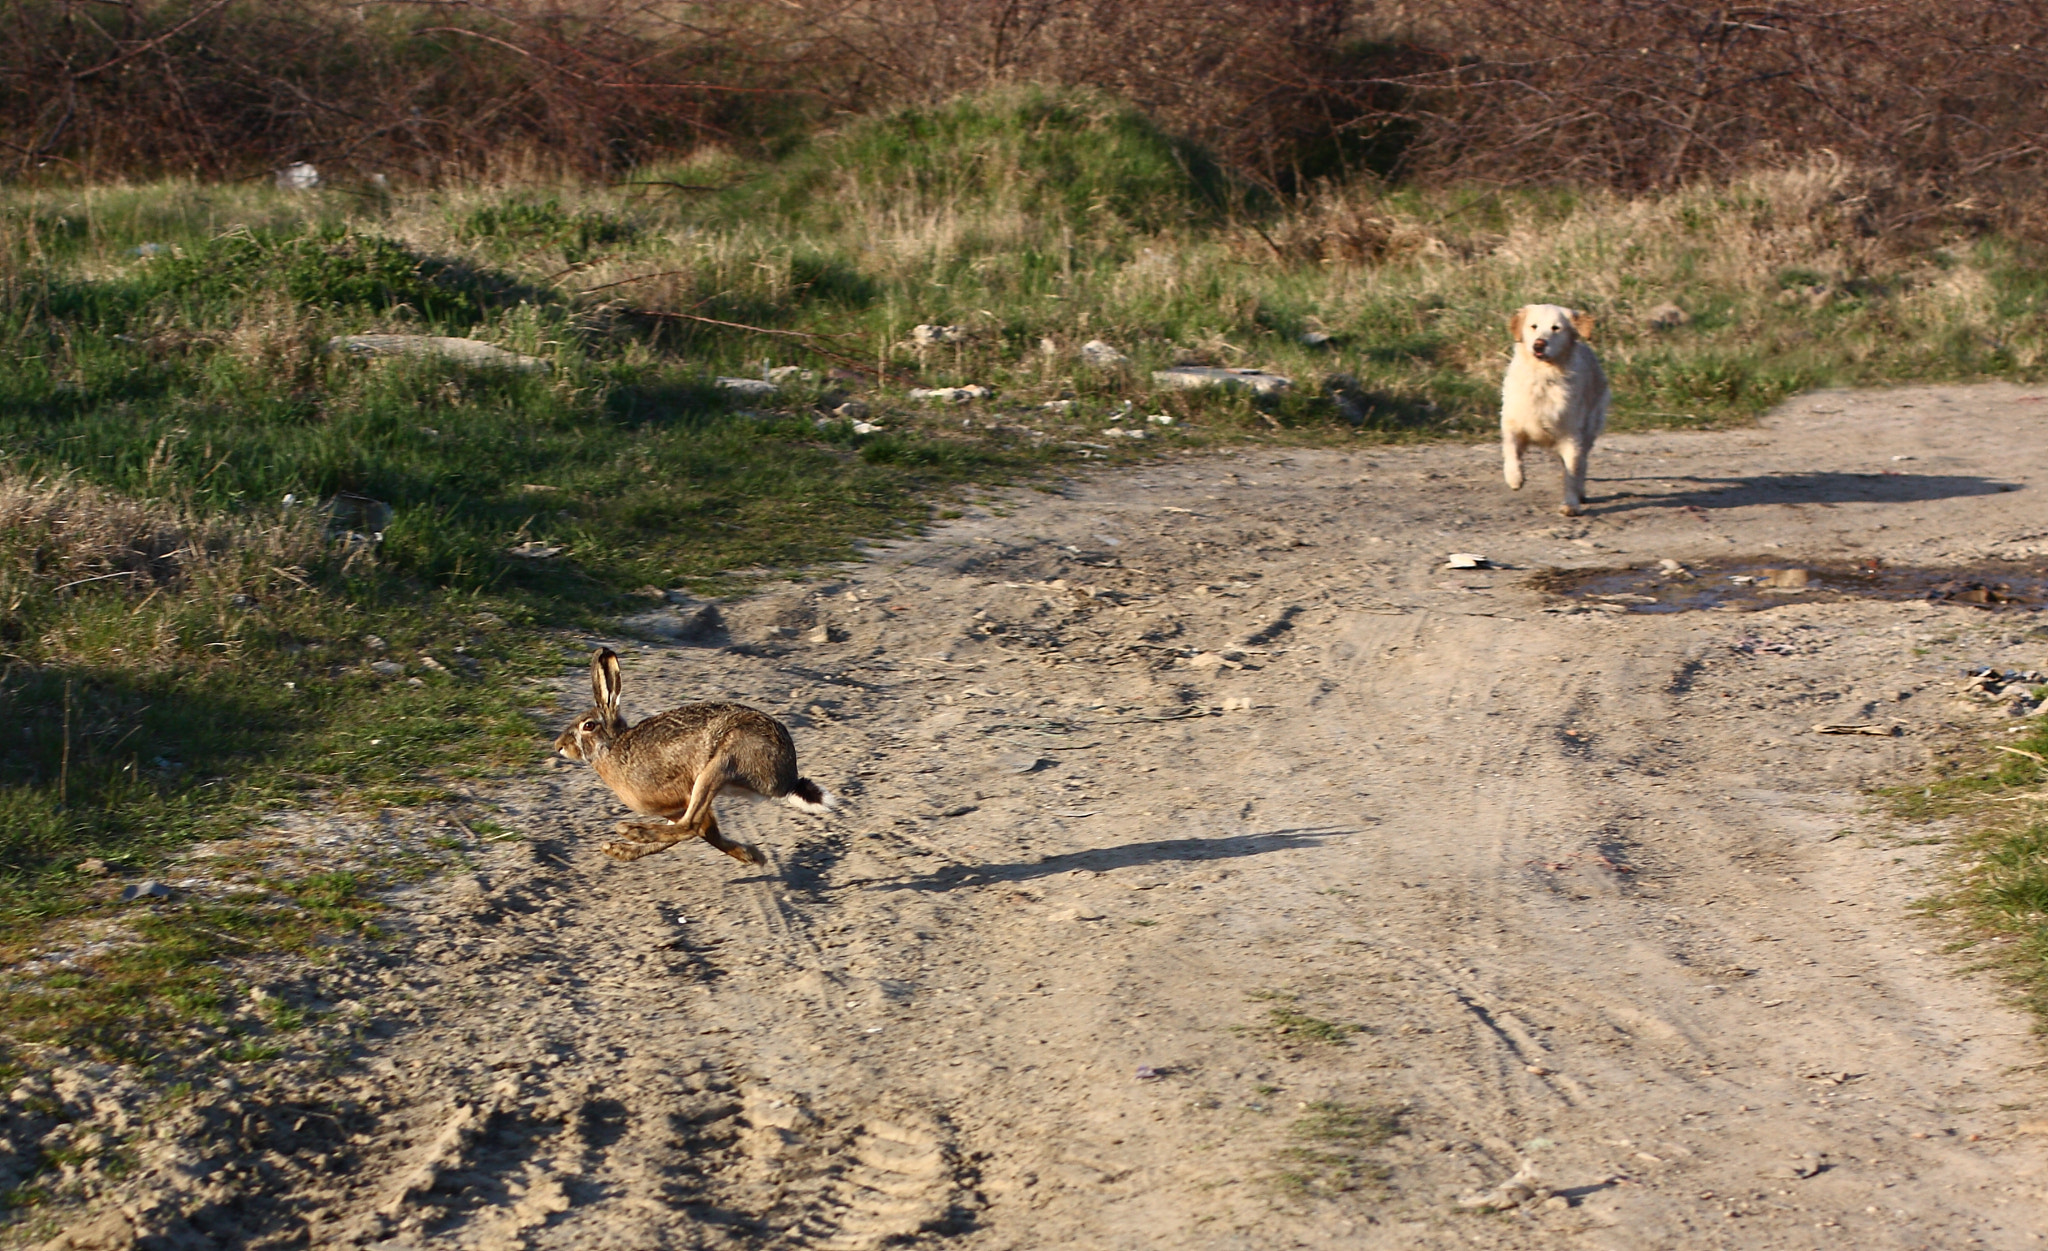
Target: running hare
x,y
674,763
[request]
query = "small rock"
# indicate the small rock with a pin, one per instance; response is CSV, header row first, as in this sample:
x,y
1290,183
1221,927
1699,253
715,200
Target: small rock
x,y
1118,432
387,668
932,336
374,642
1058,406
749,388
778,374
866,427
1027,763
1467,560
1160,419
1314,339
852,410
145,890
683,624
1197,377
822,634
1102,356
1077,914
94,867
958,810
429,663
534,549
1787,579
1557,1203
463,351
1666,316
242,601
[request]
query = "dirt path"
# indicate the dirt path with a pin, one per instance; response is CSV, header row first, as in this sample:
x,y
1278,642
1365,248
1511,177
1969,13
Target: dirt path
x,y
1399,888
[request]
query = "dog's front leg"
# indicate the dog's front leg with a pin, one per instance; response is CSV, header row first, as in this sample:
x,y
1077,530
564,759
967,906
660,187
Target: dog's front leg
x,y
1574,456
1512,444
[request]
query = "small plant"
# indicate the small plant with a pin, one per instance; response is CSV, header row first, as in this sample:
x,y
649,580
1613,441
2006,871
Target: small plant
x,y
1329,1156
1301,1027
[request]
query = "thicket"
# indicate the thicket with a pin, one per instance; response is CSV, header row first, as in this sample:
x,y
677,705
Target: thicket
x,y
1632,94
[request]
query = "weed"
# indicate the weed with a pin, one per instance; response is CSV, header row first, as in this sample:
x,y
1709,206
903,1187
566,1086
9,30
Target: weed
x,y
1997,895
1329,1156
1301,1027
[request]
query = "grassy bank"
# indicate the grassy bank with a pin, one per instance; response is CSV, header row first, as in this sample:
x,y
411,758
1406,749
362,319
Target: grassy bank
x,y
243,571
1996,902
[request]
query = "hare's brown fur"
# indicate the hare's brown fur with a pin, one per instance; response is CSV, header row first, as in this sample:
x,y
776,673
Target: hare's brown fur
x,y
673,764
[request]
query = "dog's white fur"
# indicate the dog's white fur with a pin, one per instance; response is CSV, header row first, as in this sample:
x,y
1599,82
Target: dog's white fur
x,y
1555,396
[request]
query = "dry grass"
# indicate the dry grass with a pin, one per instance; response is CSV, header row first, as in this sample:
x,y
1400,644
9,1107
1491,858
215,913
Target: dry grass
x,y
58,534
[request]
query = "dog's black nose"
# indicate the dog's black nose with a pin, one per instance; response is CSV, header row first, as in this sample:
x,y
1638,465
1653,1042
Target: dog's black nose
x,y
1538,346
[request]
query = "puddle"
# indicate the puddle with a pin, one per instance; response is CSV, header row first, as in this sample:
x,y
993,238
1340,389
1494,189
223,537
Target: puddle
x,y
1750,586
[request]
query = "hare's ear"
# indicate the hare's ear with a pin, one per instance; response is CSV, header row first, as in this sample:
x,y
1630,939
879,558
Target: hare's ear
x,y
605,682
1582,324
1515,323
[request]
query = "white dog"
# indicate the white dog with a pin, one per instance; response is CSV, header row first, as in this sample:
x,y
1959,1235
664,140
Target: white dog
x,y
1554,396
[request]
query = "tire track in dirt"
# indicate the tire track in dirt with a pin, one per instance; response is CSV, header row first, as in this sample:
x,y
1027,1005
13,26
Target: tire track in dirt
x,y
1219,871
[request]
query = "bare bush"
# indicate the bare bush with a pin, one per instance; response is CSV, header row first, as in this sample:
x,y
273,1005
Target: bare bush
x,y
1625,93
1639,93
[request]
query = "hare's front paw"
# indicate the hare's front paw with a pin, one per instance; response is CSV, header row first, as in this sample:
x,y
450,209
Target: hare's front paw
x,y
629,851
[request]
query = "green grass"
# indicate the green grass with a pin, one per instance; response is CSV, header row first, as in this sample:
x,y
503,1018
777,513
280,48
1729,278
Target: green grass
x,y
191,611
1330,1152
1997,897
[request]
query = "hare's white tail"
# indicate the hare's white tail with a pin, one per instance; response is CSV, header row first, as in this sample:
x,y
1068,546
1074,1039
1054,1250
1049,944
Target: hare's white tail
x,y
808,796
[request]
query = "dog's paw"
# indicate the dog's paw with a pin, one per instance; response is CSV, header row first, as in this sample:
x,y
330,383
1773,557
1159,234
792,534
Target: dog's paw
x,y
1568,510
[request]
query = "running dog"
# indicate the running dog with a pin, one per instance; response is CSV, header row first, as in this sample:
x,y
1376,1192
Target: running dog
x,y
1554,395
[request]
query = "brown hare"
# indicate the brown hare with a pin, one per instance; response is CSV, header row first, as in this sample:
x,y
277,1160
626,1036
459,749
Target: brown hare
x,y
674,763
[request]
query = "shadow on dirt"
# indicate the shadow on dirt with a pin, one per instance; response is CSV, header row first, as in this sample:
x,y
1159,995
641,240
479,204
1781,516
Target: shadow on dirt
x,y
1791,488
1130,855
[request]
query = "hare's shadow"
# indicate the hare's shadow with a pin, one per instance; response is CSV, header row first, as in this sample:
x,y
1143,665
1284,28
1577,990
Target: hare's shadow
x,y
1103,859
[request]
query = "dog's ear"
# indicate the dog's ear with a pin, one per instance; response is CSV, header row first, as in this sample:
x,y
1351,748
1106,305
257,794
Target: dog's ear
x,y
1582,324
1515,323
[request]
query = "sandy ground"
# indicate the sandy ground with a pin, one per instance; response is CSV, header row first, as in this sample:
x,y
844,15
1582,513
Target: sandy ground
x,y
1220,871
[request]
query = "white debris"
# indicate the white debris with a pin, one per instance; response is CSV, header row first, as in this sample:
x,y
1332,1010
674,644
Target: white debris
x,y
1059,406
301,176
1467,560
951,395
750,388
1161,419
779,374
1196,377
866,427
932,336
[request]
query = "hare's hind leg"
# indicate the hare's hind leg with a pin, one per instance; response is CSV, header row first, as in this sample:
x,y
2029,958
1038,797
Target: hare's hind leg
x,y
742,852
637,839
